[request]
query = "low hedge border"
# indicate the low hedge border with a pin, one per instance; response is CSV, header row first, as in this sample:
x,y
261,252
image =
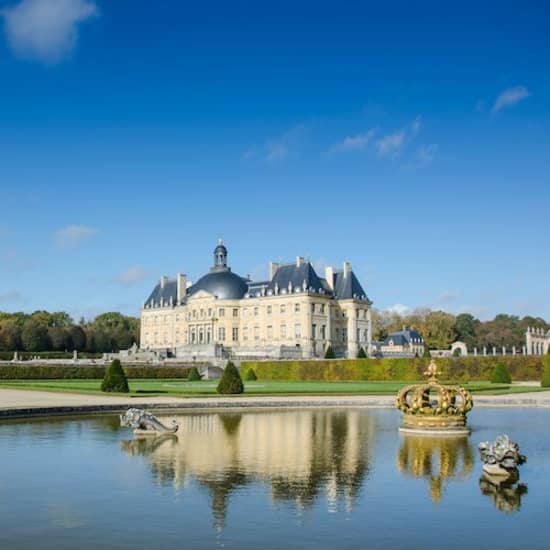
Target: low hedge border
x,y
56,372
460,369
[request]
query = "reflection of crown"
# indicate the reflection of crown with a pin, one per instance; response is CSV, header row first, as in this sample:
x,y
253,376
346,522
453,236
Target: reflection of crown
x,y
433,406
437,459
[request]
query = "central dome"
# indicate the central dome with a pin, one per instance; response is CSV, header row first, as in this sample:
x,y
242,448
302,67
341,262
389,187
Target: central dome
x,y
220,281
222,284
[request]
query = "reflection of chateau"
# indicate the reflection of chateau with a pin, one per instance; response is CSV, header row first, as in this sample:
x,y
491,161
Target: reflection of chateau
x,y
302,454
438,459
293,314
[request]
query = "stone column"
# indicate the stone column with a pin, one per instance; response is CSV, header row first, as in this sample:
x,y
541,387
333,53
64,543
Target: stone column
x,y
494,350
513,350
352,333
369,332
328,334
484,350
503,350
475,352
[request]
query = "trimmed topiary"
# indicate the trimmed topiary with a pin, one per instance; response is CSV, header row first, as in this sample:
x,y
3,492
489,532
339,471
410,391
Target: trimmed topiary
x,y
361,353
250,375
115,379
426,352
230,382
545,382
500,375
329,354
194,375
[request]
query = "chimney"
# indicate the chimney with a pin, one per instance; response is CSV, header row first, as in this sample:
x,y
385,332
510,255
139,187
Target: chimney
x,y
299,261
347,268
182,286
273,267
329,276
163,281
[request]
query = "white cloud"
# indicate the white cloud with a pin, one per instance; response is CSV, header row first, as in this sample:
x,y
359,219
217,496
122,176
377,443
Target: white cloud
x,y
72,235
400,309
391,144
510,97
277,150
358,142
46,30
132,275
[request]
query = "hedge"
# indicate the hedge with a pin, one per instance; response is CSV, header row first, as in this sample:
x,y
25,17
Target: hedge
x,y
460,369
53,372
24,355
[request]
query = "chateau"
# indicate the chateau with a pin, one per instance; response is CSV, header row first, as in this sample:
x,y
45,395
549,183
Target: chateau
x,y
295,314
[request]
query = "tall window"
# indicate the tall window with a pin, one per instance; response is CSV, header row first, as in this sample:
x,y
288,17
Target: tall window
x,y
222,312
245,333
235,334
256,333
256,311
269,332
269,309
283,309
297,330
312,308
313,331
221,334
235,312
323,332
283,331
297,308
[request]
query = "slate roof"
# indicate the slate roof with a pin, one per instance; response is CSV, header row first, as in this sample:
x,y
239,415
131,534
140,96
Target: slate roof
x,y
226,285
169,290
403,337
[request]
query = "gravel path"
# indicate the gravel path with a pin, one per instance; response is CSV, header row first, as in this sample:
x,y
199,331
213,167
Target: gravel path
x,y
21,403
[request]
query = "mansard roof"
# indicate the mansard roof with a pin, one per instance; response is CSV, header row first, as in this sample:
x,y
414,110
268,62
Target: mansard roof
x,y
404,337
163,294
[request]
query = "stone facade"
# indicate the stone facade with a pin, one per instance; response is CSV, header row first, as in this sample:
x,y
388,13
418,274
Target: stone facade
x,y
537,341
404,343
294,314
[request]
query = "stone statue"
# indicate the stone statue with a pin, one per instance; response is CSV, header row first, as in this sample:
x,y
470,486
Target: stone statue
x,y
502,457
144,423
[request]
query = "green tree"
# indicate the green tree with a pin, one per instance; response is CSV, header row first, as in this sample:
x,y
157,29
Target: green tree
x,y
34,336
59,338
194,375
466,327
230,382
115,379
329,353
457,352
426,352
361,353
545,382
78,338
439,330
250,375
10,334
500,375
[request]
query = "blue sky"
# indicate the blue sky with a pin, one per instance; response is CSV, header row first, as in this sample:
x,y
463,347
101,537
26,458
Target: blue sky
x,y
412,141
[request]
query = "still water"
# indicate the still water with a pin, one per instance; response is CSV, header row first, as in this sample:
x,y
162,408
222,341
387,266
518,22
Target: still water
x,y
287,479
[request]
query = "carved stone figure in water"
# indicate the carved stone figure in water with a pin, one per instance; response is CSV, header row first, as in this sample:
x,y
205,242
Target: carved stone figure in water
x,y
143,422
501,457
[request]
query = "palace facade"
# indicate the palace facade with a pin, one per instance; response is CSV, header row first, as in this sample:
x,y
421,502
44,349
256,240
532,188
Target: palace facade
x,y
294,314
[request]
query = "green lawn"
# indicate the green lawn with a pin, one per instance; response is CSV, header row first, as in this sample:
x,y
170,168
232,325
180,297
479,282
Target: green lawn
x,y
182,388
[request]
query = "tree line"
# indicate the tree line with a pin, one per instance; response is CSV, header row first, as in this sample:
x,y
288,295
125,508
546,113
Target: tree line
x,y
440,329
42,331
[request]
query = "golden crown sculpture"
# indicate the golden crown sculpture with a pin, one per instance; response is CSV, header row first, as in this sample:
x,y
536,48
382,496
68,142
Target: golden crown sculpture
x,y
433,407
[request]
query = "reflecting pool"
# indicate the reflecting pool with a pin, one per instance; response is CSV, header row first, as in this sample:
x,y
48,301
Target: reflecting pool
x,y
295,478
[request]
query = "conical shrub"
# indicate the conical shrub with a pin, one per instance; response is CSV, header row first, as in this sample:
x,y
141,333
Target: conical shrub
x,y
115,378
194,375
361,354
500,375
230,382
250,375
545,382
329,354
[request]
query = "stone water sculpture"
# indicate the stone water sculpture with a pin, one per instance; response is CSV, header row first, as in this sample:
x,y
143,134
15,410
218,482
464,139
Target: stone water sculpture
x,y
144,423
501,457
